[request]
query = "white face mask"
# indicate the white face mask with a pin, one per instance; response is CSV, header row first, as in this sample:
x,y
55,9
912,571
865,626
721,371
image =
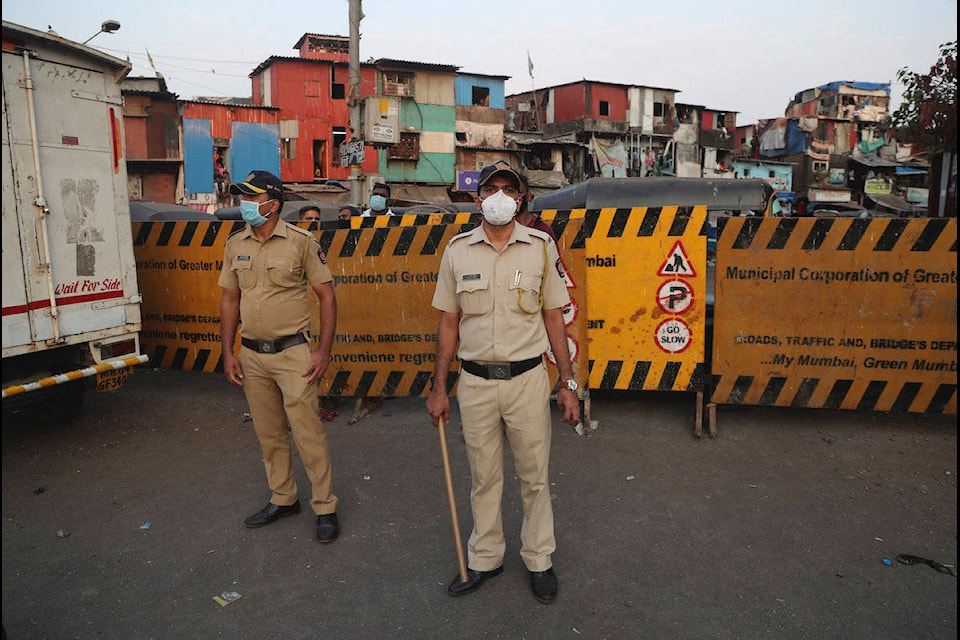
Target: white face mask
x,y
498,209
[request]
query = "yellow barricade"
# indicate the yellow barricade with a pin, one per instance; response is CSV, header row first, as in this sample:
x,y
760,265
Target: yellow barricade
x,y
837,313
384,269
646,274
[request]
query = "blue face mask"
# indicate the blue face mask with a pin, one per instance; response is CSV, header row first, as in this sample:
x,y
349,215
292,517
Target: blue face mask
x,y
378,203
250,211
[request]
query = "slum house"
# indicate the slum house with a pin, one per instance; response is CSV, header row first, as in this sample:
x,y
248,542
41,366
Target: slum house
x,y
310,93
746,143
596,128
420,167
152,137
479,125
823,128
224,141
778,175
718,142
683,151
703,144
894,187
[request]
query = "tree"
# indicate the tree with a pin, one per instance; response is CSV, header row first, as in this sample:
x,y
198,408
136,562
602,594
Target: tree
x,y
927,117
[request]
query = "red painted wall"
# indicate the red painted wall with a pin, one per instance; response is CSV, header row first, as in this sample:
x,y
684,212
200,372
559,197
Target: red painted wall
x,y
615,96
707,121
568,103
135,138
145,138
302,90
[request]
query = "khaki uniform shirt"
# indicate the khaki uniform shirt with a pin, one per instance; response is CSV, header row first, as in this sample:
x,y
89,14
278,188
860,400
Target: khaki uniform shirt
x,y
272,277
498,293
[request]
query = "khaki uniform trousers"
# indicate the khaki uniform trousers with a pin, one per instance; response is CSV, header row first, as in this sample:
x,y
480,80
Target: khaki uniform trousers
x,y
277,391
519,408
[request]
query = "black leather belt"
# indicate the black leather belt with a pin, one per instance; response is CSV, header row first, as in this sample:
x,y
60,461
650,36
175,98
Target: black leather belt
x,y
500,370
274,346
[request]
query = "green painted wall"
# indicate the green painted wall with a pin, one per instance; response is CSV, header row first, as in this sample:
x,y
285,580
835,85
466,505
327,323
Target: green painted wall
x,y
428,117
436,168
432,168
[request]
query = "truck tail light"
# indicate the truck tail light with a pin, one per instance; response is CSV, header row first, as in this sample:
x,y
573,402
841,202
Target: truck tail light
x,y
117,349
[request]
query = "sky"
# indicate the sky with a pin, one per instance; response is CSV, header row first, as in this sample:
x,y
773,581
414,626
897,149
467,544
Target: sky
x,y
746,56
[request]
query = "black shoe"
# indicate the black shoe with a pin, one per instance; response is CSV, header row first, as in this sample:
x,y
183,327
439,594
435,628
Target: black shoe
x,y
271,513
473,581
544,585
327,527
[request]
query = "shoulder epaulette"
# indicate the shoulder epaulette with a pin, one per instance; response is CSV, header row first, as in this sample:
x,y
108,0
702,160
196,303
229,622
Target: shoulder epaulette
x,y
460,236
240,230
537,233
299,230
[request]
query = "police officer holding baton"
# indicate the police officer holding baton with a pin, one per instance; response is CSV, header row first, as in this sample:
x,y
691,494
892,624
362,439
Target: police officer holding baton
x,y
500,296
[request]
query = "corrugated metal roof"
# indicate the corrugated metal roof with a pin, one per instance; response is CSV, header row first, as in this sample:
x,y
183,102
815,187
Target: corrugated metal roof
x,y
469,148
232,105
269,62
318,35
419,194
612,84
893,202
54,38
762,161
869,161
390,63
483,75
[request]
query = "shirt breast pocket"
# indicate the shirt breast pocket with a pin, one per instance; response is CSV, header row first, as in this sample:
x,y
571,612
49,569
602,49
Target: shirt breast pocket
x,y
284,272
525,294
246,276
475,296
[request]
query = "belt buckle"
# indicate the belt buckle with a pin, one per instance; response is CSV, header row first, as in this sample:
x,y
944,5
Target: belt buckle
x,y
267,347
499,371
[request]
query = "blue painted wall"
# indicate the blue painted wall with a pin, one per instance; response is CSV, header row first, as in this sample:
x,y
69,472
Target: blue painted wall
x,y
253,145
197,156
782,179
464,84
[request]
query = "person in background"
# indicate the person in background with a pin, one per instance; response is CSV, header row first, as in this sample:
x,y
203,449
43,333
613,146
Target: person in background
x,y
309,213
379,201
268,266
347,211
525,216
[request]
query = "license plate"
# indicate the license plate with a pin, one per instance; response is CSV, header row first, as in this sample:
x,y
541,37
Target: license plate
x,y
112,380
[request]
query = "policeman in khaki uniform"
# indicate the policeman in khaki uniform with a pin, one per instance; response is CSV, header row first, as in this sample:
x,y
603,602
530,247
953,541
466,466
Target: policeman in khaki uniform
x,y
267,268
500,295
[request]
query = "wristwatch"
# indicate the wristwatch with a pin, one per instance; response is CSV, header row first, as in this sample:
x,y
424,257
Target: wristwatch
x,y
571,384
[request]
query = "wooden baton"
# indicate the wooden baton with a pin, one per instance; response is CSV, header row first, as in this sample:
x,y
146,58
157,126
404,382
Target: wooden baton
x,y
448,477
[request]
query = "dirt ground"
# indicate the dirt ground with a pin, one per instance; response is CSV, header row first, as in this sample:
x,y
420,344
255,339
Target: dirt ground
x,y
127,522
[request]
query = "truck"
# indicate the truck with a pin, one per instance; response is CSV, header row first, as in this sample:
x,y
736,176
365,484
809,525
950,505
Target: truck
x,y
71,306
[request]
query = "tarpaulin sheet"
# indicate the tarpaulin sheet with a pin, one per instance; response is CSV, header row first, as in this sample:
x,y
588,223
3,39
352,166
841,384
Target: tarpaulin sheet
x,y
865,86
782,137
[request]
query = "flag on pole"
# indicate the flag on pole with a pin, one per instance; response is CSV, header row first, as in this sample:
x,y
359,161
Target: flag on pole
x,y
529,63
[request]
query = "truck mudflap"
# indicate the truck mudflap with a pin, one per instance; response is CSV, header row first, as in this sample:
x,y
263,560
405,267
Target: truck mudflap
x,y
77,374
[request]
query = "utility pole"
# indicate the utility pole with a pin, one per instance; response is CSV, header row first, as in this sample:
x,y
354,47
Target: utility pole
x,y
356,170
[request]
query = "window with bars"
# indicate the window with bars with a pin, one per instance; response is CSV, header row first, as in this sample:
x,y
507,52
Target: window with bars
x,y
407,149
397,83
